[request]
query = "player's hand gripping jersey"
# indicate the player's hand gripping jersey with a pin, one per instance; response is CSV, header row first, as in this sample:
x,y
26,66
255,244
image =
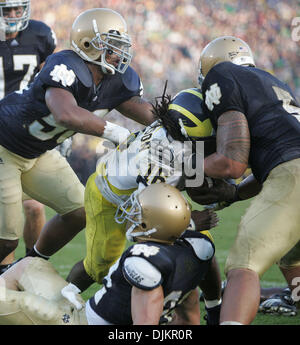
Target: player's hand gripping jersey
x,y
271,110
27,127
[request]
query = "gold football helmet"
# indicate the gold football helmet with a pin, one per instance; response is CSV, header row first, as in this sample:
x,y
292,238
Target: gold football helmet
x,y
225,48
158,213
14,24
98,32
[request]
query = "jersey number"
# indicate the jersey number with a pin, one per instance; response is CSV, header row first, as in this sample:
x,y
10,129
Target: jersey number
x,y
287,101
49,130
19,62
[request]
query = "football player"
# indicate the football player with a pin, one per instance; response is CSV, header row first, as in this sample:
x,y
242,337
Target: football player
x,y
148,157
256,118
150,282
93,75
24,46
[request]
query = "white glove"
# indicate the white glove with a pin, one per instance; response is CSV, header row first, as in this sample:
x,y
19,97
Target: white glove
x,y
70,292
115,133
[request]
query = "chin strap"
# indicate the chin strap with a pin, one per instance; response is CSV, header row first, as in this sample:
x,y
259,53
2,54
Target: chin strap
x,y
131,237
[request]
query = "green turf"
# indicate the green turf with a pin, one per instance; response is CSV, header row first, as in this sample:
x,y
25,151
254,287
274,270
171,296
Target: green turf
x,y
223,235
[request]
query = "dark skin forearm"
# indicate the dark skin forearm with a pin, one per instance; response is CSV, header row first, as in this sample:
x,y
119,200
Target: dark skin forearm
x,y
233,146
68,114
249,188
137,109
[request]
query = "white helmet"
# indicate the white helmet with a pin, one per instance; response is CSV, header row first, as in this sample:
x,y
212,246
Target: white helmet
x,y
13,24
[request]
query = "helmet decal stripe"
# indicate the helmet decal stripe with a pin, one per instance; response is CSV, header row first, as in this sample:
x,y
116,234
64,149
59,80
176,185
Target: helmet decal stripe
x,y
194,92
200,128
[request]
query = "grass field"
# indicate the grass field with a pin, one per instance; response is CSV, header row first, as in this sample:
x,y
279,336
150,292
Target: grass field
x,y
224,235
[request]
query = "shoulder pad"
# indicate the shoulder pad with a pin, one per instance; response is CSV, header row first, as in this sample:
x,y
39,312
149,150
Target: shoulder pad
x,y
38,28
73,62
225,67
131,80
202,247
141,273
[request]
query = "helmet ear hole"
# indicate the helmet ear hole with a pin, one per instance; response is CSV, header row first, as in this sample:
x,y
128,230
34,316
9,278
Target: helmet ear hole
x,y
86,43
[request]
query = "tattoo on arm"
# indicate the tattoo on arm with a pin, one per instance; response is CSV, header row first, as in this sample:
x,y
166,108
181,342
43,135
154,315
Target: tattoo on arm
x,y
233,136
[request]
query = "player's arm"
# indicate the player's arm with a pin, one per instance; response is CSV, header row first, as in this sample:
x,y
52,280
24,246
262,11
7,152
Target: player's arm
x,y
146,305
248,188
137,109
68,114
233,146
188,312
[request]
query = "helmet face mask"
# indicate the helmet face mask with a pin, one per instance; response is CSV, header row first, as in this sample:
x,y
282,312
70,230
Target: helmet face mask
x,y
113,44
158,213
221,49
100,36
18,23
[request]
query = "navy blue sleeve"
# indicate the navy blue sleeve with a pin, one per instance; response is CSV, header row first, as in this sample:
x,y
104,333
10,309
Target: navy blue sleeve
x,y
57,73
221,91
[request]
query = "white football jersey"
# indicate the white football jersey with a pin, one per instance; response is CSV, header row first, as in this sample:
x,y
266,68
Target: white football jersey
x,y
151,154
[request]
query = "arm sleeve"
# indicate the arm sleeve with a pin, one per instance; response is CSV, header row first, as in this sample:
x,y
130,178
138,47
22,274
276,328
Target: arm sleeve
x,y
58,74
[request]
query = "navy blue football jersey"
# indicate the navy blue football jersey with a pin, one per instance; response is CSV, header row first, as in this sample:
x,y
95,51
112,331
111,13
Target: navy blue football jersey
x,y
180,271
27,127
20,58
269,105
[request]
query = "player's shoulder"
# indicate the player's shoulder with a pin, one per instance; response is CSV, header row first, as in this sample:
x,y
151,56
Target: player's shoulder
x,y
130,79
38,28
67,61
144,265
222,71
201,244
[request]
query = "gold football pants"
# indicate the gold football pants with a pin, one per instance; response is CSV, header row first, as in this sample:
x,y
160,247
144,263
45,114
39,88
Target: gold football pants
x,y
270,229
48,179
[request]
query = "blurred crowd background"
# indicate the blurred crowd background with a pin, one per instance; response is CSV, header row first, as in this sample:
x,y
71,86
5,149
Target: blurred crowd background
x,y
168,37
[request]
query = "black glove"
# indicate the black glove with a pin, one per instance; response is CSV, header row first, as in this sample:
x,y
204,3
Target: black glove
x,y
214,191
